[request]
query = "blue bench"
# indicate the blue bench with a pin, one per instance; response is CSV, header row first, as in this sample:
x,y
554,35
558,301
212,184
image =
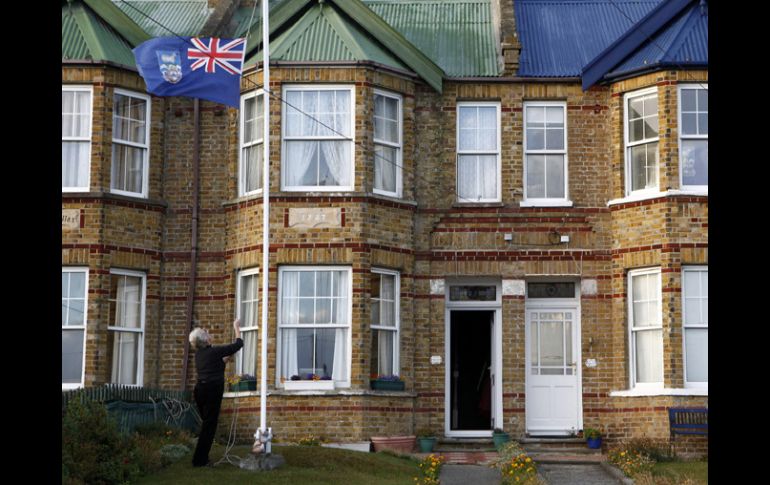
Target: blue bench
x,y
688,421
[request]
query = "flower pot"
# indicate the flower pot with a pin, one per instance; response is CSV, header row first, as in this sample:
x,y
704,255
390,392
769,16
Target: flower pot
x,y
381,385
594,443
399,444
426,444
500,438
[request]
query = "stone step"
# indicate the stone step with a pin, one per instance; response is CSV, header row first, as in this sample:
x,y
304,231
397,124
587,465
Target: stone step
x,y
567,458
563,449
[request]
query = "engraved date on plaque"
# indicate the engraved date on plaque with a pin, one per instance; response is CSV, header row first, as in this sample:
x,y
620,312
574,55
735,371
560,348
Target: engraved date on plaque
x,y
315,218
70,218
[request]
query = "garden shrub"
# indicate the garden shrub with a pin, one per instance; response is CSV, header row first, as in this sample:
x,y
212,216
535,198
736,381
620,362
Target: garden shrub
x,y
93,450
658,450
430,468
630,461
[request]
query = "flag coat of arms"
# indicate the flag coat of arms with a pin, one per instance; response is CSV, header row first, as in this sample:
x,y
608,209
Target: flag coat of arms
x,y
206,67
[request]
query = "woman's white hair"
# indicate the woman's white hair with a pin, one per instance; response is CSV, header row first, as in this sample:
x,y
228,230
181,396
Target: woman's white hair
x,y
199,338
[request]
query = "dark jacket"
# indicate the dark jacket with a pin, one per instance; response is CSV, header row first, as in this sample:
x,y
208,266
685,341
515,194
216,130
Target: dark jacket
x,y
208,361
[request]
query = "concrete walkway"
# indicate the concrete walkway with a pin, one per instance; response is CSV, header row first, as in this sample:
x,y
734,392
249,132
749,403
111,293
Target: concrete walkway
x,y
554,474
469,474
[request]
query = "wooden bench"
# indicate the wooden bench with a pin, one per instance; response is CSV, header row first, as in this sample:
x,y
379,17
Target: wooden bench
x,y
688,421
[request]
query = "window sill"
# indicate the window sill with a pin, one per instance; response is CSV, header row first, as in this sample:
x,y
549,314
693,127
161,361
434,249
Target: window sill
x,y
656,195
660,392
545,203
333,392
114,196
478,204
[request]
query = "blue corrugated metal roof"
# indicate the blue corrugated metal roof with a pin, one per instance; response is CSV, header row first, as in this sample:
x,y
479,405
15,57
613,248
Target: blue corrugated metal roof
x,y
684,42
559,37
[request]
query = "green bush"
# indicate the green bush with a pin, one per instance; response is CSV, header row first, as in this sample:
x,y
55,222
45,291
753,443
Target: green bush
x,y
656,449
93,450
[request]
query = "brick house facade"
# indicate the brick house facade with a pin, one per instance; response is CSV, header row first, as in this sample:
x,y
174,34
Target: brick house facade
x,y
536,276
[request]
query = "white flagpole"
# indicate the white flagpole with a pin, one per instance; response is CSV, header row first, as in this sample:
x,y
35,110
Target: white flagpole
x,y
265,219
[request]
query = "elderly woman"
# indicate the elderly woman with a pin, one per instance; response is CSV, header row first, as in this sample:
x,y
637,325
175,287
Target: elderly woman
x,y
210,364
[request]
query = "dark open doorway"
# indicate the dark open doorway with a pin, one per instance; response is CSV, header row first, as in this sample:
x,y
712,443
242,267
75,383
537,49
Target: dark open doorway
x,y
470,380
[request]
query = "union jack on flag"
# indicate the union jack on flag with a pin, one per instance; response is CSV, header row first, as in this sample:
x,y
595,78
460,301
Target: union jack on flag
x,y
206,68
228,56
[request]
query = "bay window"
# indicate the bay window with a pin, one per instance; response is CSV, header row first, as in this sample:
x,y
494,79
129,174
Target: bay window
x,y
694,136
247,295
74,306
251,142
125,336
314,317
318,144
76,119
646,328
130,143
385,322
641,139
478,152
387,143
695,316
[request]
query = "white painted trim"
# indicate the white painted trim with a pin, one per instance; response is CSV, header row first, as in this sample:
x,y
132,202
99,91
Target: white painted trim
x,y
241,112
145,146
349,325
679,89
546,201
238,293
497,152
397,316
631,334
626,161
141,329
84,327
90,90
685,269
400,146
646,195
659,392
352,141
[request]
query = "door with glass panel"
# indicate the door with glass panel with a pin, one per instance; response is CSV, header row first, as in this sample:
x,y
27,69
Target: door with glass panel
x,y
553,391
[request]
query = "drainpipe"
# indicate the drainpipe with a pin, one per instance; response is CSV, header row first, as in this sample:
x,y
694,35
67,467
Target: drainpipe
x,y
193,238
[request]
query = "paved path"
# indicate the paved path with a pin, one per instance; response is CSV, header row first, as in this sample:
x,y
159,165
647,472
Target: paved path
x,y
573,474
469,474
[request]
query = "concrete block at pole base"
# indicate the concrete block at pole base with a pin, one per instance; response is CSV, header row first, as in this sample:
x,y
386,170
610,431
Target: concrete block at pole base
x,y
262,462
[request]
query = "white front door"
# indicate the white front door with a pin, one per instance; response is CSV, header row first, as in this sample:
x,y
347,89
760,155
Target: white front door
x,y
553,405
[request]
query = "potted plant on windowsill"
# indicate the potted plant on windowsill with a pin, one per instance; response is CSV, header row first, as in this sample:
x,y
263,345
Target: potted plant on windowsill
x,y
426,439
593,438
308,382
242,382
386,383
499,437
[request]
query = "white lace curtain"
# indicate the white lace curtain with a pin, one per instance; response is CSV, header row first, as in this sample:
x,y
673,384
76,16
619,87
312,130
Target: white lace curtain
x,y
125,347
75,132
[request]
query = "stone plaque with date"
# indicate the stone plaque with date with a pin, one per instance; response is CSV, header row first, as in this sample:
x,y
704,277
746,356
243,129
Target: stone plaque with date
x,y
315,218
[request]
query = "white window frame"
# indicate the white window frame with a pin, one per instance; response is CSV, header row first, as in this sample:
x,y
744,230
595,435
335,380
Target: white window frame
x,y
632,331
685,327
349,326
680,88
396,315
352,141
546,201
79,269
238,301
140,331
398,146
90,91
458,152
144,146
628,145
241,145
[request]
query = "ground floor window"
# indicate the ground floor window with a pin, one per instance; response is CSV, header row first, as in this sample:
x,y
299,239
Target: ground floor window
x,y
248,312
646,327
695,317
74,304
385,322
314,324
125,336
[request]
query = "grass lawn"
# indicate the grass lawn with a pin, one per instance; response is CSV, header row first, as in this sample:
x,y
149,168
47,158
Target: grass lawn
x,y
304,464
677,470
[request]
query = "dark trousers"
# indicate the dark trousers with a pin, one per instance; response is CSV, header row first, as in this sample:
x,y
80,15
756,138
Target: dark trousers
x,y
208,398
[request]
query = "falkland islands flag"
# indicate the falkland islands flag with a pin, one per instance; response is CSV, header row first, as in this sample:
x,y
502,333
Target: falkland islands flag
x,y
207,68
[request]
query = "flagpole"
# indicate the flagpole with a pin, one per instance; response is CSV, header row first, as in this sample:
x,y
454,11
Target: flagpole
x,y
265,219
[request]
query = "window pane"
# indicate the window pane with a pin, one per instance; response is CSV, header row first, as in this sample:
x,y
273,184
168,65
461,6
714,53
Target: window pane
x,y
697,351
375,308
488,176
636,132
385,166
644,166
124,356
555,139
305,351
74,163
76,309
71,356
703,124
688,100
247,364
554,116
535,115
382,355
635,108
125,301
689,124
649,356
251,161
651,106
334,163
552,343
651,127
535,139
323,311
535,176
331,352
323,283
703,100
77,284
467,186
306,310
127,165
555,176
301,163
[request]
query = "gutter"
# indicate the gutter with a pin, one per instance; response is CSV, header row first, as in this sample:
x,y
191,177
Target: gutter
x,y
93,62
258,66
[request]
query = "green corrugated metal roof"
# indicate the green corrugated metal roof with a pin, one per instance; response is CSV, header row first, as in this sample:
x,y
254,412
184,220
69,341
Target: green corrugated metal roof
x,y
458,35
166,18
86,36
322,34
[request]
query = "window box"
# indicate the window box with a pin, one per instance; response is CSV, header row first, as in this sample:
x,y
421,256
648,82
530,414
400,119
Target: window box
x,y
322,385
243,386
385,385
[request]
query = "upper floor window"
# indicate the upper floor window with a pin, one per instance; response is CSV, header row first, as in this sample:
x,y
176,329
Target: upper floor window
x,y
248,312
252,153
695,316
130,143
74,305
641,137
694,136
646,328
545,153
478,152
318,144
385,322
76,104
125,336
387,143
